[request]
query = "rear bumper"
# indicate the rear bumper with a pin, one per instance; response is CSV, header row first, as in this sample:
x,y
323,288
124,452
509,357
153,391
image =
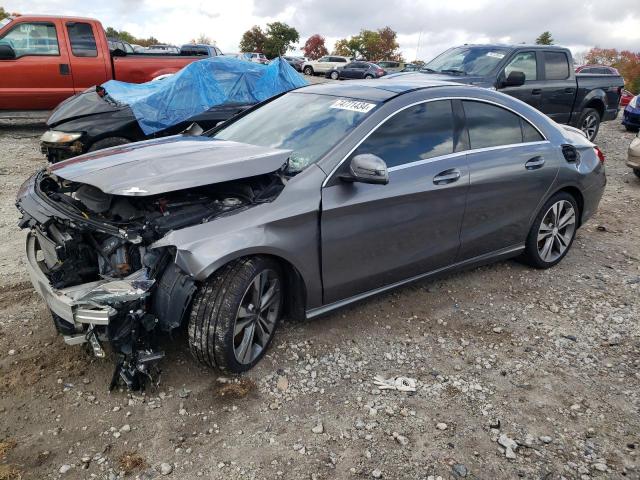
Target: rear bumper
x,y
592,197
631,117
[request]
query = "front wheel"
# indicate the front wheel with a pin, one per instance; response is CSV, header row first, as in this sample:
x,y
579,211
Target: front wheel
x,y
235,314
589,123
552,232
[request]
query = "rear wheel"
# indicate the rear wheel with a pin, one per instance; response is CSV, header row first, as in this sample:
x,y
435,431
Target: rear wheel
x,y
552,232
637,172
589,122
334,75
108,142
368,77
236,313
308,71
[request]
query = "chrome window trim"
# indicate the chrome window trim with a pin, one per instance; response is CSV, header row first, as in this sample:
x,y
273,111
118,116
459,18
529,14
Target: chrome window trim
x,y
463,152
449,155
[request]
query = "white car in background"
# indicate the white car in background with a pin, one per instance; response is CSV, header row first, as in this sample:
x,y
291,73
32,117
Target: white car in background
x,y
324,64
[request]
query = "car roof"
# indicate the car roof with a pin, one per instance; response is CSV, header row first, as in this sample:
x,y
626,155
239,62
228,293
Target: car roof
x,y
377,90
514,45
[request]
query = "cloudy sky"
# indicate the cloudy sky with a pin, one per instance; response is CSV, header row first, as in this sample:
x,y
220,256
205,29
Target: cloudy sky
x,y
425,28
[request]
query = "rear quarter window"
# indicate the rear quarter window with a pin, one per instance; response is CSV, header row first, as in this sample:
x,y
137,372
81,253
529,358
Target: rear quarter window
x,y
556,65
83,43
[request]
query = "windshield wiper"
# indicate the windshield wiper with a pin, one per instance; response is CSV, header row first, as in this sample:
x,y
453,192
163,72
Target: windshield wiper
x,y
428,70
453,70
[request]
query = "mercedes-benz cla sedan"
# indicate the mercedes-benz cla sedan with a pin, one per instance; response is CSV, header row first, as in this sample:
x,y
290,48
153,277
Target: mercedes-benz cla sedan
x,y
305,203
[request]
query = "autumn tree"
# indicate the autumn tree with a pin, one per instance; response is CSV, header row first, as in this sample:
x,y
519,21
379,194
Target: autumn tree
x,y
253,40
280,38
373,45
627,63
202,40
314,47
545,38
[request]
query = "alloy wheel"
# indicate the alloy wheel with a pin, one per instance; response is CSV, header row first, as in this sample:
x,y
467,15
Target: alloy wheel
x,y
589,126
556,231
334,75
257,316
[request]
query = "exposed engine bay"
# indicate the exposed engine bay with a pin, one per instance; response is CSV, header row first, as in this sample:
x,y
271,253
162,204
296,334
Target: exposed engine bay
x,y
91,257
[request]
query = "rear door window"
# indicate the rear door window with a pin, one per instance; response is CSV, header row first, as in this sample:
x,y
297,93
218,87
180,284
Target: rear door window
x,y
38,38
490,125
83,42
556,66
416,133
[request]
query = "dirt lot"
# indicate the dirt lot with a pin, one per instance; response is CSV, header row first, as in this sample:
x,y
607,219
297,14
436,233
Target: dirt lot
x,y
542,362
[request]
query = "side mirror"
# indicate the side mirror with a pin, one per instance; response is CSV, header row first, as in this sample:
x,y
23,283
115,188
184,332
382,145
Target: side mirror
x,y
367,168
515,79
7,52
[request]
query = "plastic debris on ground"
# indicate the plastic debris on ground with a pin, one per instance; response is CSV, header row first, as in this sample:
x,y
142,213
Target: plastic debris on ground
x,y
402,384
200,86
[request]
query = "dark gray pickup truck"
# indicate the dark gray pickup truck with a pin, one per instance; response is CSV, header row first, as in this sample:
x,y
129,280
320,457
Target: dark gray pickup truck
x,y
540,75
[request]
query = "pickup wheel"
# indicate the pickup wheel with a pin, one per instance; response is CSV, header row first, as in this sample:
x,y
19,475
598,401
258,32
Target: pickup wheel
x,y
235,314
108,142
308,71
637,172
589,122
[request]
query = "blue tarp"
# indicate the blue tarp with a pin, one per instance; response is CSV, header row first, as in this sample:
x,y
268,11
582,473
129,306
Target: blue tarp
x,y
201,85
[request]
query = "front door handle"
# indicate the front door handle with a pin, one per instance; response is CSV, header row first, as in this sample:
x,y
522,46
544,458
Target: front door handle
x,y
536,91
448,176
534,163
64,69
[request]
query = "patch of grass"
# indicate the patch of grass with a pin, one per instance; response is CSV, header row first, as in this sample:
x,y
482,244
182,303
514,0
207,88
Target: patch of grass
x,y
9,472
6,445
239,389
130,462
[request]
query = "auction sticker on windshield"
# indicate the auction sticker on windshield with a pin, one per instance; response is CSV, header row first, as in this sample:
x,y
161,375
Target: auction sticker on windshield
x,y
495,54
353,105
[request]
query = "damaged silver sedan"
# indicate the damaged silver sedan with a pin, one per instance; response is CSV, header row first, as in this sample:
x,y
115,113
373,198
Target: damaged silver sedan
x,y
303,204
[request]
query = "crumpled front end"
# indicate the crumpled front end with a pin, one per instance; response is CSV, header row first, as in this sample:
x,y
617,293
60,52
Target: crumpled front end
x,y
90,256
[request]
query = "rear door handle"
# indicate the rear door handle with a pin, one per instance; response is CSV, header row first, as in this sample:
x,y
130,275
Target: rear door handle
x,y
536,91
534,163
448,176
64,69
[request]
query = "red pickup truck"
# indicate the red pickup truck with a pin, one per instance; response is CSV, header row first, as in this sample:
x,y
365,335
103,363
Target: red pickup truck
x,y
45,59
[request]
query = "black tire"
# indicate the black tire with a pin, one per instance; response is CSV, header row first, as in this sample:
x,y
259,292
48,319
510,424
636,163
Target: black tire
x,y
334,76
531,255
108,142
631,128
216,307
308,71
637,172
587,115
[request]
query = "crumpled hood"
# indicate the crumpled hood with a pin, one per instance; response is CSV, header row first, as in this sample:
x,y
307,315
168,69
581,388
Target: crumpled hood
x,y
169,164
82,105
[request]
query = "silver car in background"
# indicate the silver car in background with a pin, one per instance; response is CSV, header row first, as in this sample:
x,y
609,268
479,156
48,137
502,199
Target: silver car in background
x,y
303,204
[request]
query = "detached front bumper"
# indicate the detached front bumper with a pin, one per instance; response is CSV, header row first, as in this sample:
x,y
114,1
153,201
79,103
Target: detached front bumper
x,y
86,305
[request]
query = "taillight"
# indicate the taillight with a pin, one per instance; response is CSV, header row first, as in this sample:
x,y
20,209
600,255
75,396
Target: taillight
x,y
599,153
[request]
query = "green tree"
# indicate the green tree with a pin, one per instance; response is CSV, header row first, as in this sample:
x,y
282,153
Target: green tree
x,y
545,38
373,45
3,13
341,47
280,38
253,40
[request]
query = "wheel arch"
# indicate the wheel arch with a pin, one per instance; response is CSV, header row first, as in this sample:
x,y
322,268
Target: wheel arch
x,y
296,286
576,194
595,99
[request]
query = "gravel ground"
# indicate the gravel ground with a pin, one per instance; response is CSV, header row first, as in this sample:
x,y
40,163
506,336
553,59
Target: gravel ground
x,y
520,373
